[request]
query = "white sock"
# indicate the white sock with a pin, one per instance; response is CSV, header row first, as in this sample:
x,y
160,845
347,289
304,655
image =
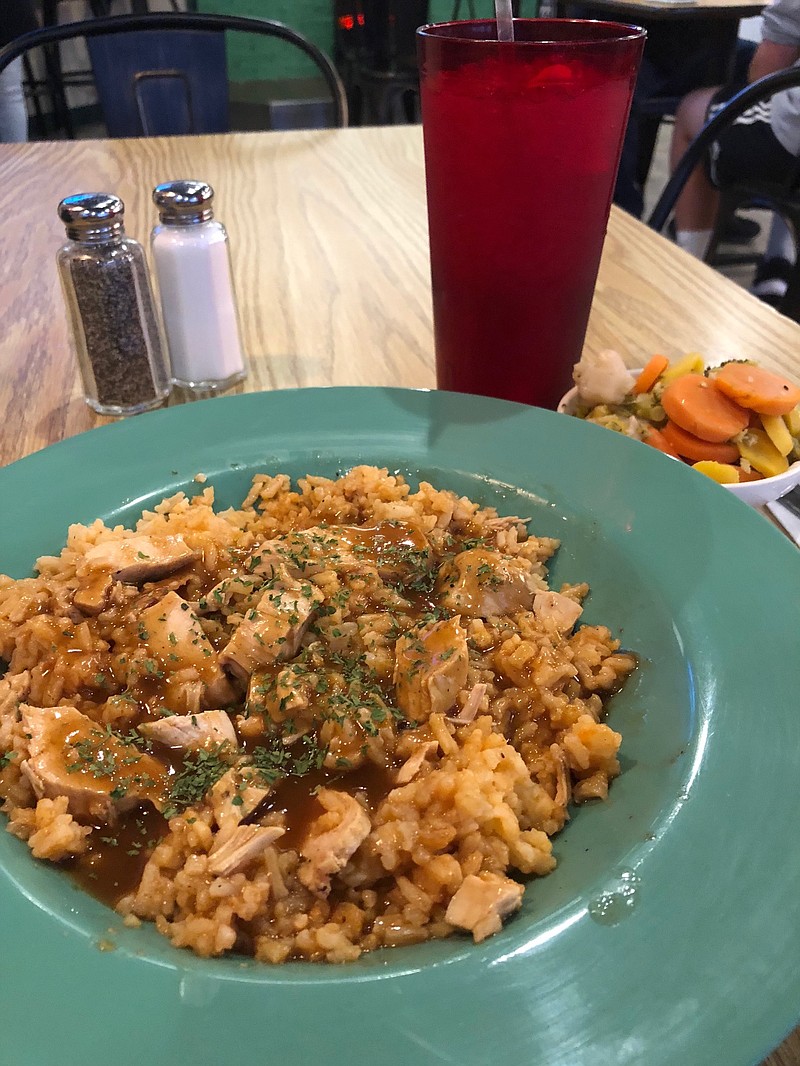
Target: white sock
x,y
781,243
693,241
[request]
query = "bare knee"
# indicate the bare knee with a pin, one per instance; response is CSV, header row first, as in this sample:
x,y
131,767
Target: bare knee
x,y
690,116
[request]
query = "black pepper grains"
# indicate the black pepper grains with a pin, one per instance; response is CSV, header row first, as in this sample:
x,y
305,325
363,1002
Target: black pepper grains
x,y
111,309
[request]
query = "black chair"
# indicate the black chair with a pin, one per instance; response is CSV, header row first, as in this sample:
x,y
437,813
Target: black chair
x,y
383,79
782,197
55,81
165,73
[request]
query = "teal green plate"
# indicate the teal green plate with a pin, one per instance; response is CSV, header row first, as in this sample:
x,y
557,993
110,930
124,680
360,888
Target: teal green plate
x,y
670,931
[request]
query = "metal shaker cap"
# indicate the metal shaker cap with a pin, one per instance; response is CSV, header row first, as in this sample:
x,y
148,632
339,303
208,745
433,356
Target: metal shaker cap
x,y
182,203
92,216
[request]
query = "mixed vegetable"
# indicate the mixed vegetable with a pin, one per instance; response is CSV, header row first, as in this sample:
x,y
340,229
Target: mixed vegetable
x,y
735,422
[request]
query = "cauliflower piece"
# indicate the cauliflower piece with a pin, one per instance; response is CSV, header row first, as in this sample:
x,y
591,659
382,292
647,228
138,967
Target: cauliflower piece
x,y
602,378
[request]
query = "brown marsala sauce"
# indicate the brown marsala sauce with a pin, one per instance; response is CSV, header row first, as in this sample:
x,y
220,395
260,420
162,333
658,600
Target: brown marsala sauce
x,y
115,858
296,797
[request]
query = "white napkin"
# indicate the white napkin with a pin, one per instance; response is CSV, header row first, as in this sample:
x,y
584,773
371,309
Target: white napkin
x,y
788,521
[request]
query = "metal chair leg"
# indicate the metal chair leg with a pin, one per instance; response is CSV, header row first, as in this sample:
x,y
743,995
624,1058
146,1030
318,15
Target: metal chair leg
x,y
33,91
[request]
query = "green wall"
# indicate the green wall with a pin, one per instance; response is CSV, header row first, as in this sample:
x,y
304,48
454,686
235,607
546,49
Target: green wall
x,y
255,59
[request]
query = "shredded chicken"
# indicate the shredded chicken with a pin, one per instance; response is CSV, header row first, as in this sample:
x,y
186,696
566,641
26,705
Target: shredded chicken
x,y
92,596
413,764
274,628
328,851
482,902
472,704
241,846
171,631
479,583
431,663
235,797
561,610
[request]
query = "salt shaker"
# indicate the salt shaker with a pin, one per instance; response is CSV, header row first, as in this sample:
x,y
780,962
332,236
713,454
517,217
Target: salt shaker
x,y
192,262
111,309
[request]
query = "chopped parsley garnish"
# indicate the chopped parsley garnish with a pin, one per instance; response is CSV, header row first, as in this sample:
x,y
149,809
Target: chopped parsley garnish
x,y
274,760
201,771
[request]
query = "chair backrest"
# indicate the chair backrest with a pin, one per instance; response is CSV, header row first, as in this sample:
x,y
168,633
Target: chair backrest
x,y
763,89
165,73
161,82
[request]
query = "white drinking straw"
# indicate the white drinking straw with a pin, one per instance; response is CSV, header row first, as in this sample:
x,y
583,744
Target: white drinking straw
x,y
505,20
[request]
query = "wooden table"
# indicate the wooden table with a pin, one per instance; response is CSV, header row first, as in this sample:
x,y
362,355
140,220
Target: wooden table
x,y
666,9
329,240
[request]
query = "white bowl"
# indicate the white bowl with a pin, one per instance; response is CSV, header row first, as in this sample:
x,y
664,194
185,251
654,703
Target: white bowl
x,y
754,493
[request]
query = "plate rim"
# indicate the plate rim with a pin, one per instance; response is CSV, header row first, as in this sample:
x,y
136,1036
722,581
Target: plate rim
x,y
71,447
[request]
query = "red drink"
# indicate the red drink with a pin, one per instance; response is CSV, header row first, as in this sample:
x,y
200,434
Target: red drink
x,y
522,144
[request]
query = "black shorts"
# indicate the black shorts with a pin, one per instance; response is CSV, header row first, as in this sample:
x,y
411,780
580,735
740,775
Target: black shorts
x,y
748,150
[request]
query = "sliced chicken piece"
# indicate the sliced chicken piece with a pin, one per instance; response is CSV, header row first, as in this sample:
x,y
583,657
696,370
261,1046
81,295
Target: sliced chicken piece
x,y
191,731
235,796
561,610
274,628
270,562
472,705
239,587
100,774
396,549
140,558
398,552
293,553
329,847
413,764
482,902
91,597
430,670
481,584
232,854
171,631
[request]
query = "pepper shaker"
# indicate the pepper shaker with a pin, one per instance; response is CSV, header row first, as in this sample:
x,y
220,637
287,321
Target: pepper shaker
x,y
111,308
192,261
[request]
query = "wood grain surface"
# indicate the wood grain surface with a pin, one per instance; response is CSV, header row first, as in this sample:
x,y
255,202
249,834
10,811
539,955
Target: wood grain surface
x,y
329,239
652,9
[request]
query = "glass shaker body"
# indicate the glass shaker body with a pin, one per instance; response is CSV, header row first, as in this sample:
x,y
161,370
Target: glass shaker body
x,y
198,303
113,324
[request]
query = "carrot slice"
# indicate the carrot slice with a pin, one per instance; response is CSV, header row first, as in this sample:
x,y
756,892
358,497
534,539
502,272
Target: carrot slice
x,y
691,447
656,439
697,406
757,388
651,373
749,475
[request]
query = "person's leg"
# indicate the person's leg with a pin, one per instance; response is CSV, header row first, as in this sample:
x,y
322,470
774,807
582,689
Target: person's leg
x,y
13,115
772,276
696,207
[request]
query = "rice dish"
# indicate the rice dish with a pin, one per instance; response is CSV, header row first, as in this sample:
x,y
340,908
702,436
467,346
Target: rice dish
x,y
346,715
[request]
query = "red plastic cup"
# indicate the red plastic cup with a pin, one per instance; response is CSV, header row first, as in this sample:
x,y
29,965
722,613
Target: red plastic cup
x,y
522,145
